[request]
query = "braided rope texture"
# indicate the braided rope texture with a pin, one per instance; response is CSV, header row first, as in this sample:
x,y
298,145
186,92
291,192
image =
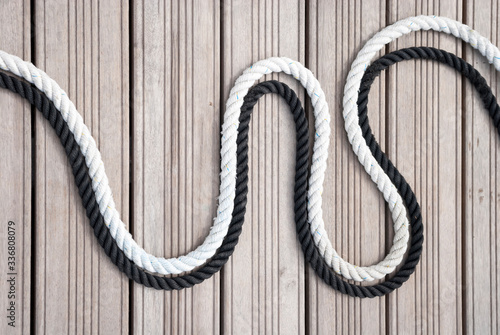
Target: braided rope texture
x,y
489,102
311,251
100,182
355,133
228,152
318,167
101,231
228,173
410,201
117,256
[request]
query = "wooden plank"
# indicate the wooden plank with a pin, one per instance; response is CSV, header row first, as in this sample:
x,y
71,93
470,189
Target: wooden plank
x,y
263,283
482,186
176,124
424,142
176,78
15,174
353,209
84,46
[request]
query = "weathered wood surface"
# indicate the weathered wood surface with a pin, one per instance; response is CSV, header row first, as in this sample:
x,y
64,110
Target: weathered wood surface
x,y
15,176
76,287
151,80
481,190
264,282
175,158
355,218
425,142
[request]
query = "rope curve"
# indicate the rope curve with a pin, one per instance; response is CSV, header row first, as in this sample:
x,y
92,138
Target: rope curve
x,y
490,103
402,275
228,174
100,182
88,195
228,153
310,249
350,113
117,256
318,167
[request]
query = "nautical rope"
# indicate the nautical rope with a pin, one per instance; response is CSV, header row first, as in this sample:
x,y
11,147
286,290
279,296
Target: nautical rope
x,y
490,103
228,172
88,195
100,181
229,149
311,252
83,181
354,132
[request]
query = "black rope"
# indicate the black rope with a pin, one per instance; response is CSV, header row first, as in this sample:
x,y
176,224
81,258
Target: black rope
x,y
84,184
310,250
399,181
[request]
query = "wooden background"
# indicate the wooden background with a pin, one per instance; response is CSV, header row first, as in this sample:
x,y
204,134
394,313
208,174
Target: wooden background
x,y
151,78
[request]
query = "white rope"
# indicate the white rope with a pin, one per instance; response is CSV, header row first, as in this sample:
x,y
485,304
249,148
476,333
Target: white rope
x,y
100,182
228,151
228,172
354,132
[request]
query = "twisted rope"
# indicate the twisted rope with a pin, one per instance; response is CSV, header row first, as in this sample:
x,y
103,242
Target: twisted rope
x,y
354,132
311,251
88,195
117,256
228,153
410,201
228,172
402,275
100,182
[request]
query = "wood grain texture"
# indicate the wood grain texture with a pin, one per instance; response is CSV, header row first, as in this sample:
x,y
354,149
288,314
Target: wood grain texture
x,y
353,209
78,289
482,186
264,282
175,136
424,137
150,80
15,176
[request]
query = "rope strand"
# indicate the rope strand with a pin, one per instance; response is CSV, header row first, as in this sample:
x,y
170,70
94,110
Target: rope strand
x,y
355,134
83,180
229,150
219,229
310,249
